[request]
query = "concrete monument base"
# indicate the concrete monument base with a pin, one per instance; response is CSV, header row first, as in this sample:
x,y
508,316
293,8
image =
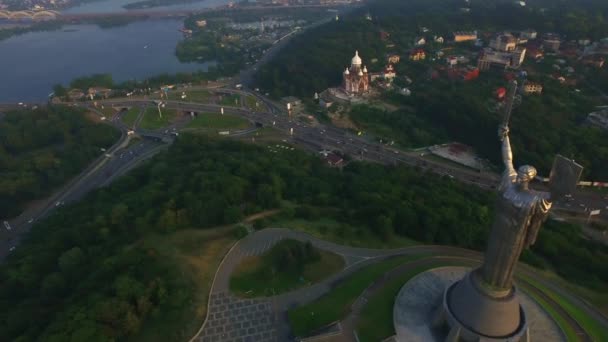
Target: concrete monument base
x,y
420,314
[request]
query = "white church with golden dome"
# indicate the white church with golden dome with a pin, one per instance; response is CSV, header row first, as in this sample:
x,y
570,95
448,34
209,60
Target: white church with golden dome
x,y
356,78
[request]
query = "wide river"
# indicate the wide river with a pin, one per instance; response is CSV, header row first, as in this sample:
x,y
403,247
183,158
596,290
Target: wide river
x,y
30,64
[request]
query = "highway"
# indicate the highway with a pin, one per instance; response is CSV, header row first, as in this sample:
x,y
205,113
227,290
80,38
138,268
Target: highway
x,y
323,137
310,137
108,166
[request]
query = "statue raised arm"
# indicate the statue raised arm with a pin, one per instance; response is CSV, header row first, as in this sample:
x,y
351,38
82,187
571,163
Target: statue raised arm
x,y
507,154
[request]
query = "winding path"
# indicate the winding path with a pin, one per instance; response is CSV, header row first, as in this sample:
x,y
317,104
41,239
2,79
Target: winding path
x,y
230,318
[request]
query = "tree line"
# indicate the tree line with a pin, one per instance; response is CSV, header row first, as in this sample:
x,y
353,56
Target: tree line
x,y
84,274
41,149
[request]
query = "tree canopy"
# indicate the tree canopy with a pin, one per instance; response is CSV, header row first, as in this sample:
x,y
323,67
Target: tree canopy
x,y
41,149
84,273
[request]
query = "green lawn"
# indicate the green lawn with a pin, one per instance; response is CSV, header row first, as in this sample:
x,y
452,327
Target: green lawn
x,y
376,320
335,305
130,116
195,255
331,230
561,321
218,121
250,102
591,326
200,96
152,119
260,276
230,100
108,111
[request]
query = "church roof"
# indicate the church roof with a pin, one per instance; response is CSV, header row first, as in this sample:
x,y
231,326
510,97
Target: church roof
x,y
356,60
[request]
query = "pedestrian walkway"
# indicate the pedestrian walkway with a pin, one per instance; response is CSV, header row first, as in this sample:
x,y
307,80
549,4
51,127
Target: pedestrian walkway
x,y
232,319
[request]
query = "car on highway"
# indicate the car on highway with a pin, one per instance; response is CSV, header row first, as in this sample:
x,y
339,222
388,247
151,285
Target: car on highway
x,y
31,220
7,226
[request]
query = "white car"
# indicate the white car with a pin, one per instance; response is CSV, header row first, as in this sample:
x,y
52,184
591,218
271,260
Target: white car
x,y
30,220
7,226
12,249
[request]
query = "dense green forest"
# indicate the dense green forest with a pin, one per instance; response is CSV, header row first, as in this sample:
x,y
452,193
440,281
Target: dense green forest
x,y
83,274
440,110
313,61
42,149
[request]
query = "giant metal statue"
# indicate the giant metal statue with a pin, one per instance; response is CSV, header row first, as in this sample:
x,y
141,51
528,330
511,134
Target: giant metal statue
x,y
483,306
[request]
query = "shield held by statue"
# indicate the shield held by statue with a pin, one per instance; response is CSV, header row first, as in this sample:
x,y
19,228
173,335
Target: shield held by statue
x,y
564,176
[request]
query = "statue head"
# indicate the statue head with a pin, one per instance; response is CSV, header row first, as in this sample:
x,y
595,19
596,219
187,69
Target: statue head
x,y
525,173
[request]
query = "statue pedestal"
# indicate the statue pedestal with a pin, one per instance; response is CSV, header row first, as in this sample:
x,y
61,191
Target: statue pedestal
x,y
419,313
475,313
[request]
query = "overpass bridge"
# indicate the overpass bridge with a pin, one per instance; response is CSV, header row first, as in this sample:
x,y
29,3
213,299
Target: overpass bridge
x,y
33,15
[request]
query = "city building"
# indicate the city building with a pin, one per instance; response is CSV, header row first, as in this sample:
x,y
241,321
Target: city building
x,y
333,159
528,34
419,41
388,74
503,42
393,59
584,41
417,55
499,59
99,91
467,73
463,36
534,52
532,88
201,23
356,78
551,42
599,118
454,60
438,39
76,94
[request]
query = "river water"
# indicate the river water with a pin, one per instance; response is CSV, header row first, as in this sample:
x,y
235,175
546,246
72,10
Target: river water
x,y
30,64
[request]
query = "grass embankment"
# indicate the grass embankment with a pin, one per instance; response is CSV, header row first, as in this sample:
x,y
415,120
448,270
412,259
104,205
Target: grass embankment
x,y
133,139
265,135
334,231
199,96
197,254
591,326
230,100
285,267
252,103
376,320
335,305
559,319
130,116
152,120
218,121
108,111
